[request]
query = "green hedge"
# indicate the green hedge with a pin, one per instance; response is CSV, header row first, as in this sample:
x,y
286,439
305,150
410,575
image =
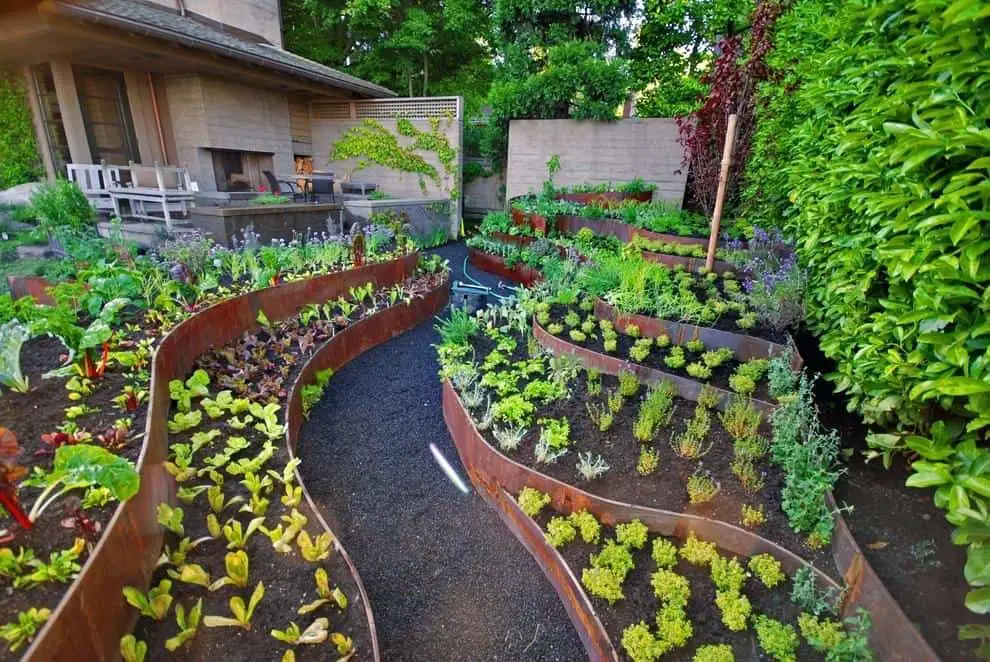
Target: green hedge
x,y
873,152
19,160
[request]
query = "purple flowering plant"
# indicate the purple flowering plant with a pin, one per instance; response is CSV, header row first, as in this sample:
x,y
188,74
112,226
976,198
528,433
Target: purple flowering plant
x,y
771,277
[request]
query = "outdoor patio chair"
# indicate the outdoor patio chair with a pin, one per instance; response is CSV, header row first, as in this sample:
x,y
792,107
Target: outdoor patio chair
x,y
283,186
323,187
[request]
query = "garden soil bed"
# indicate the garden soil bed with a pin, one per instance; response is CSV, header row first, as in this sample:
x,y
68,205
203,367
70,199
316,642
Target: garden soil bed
x,y
640,603
903,535
720,375
664,489
753,343
38,412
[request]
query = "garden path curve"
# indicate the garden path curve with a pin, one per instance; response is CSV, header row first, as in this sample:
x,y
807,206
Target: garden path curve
x,y
447,581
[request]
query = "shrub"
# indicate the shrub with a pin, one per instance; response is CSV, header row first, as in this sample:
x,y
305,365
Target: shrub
x,y
560,531
19,158
670,587
735,608
664,553
778,640
698,552
532,501
767,570
628,384
714,653
649,461
753,517
602,583
641,645
632,533
61,205
587,526
616,557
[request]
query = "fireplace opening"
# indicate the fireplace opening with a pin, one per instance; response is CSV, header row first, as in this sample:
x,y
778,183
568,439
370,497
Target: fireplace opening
x,y
237,170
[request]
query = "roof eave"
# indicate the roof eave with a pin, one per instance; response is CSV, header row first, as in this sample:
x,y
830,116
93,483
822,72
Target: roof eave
x,y
339,79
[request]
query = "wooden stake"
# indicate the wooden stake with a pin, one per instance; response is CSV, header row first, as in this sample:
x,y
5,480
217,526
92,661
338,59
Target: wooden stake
x,y
723,177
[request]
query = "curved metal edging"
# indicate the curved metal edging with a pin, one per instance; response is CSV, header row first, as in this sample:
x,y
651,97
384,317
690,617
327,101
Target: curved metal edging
x,y
745,347
570,224
605,197
518,273
693,264
343,348
92,615
893,637
687,388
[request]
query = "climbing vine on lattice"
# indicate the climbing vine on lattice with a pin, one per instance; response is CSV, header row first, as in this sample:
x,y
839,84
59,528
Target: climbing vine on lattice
x,y
370,142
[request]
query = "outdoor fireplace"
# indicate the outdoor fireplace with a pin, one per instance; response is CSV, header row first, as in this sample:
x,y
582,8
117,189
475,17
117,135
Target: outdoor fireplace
x,y
238,170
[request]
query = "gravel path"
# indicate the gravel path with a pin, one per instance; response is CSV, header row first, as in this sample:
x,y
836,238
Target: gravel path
x,y
446,579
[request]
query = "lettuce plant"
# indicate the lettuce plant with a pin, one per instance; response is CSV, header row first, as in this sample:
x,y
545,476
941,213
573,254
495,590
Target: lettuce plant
x,y
13,335
81,466
183,421
191,573
62,567
314,549
242,613
188,625
27,625
155,604
327,595
183,392
132,649
237,565
316,633
237,536
171,519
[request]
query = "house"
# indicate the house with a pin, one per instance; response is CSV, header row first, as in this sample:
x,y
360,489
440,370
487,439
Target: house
x,y
202,84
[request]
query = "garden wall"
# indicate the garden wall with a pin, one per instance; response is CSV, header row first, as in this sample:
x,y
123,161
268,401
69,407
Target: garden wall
x,y
596,152
330,120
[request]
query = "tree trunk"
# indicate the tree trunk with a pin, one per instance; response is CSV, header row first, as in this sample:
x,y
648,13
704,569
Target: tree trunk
x,y
410,84
426,73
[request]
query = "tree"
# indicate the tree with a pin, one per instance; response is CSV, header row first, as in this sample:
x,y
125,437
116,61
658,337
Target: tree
x,y
675,46
414,48
19,159
556,61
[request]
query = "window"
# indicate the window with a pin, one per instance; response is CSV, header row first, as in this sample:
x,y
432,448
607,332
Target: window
x,y
51,116
107,116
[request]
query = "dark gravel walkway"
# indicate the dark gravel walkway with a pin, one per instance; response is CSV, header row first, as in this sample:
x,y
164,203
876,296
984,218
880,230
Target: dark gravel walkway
x,y
446,579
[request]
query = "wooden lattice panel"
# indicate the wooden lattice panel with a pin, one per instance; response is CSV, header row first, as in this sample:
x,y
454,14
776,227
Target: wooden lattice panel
x,y
388,109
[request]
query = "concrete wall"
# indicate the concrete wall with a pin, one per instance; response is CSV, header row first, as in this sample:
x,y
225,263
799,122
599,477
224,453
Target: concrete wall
x,y
258,16
596,152
484,194
213,113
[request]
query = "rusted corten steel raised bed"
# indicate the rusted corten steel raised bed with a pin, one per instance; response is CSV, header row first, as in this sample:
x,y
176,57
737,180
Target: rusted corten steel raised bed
x,y
893,637
35,287
518,273
745,347
92,616
517,239
340,350
535,221
570,224
693,264
687,388
605,198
